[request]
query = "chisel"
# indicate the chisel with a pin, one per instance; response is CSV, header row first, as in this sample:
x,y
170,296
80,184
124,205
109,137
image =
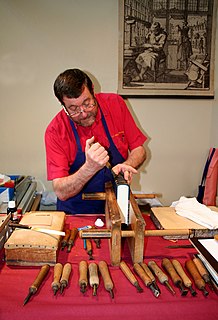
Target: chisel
x,y
199,281
65,239
203,271
108,283
93,277
36,284
83,275
130,276
150,274
71,240
58,269
146,279
65,276
187,282
162,277
89,248
168,266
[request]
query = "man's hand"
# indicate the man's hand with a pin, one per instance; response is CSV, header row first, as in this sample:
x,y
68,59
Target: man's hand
x,y
127,170
96,155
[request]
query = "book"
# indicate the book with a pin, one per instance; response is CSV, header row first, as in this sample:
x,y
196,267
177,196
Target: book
x,y
122,192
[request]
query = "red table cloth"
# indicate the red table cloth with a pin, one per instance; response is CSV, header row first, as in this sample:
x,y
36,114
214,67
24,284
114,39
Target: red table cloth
x,y
127,303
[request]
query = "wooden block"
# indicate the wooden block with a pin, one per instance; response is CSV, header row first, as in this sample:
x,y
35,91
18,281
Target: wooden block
x,y
137,224
113,222
167,218
32,248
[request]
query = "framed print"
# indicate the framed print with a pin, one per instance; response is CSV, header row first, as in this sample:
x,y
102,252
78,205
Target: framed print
x,y
167,47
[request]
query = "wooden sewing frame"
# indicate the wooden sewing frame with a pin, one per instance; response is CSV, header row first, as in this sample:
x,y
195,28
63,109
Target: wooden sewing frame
x,y
113,231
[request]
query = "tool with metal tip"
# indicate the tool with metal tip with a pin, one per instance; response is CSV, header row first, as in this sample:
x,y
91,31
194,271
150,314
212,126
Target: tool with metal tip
x,y
83,276
199,281
203,271
146,279
130,276
71,240
150,274
58,268
162,277
187,282
93,277
168,266
89,249
65,239
108,283
65,276
36,284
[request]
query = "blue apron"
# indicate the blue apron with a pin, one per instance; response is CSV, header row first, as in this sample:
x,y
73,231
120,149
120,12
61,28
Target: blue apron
x,y
76,204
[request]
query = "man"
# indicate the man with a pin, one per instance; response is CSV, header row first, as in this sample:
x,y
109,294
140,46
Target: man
x,y
90,131
153,53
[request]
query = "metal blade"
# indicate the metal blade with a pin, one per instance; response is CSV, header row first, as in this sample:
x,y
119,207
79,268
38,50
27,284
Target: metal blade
x,y
49,231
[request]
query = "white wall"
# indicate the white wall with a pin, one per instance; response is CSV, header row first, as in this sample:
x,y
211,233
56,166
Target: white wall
x,y
38,40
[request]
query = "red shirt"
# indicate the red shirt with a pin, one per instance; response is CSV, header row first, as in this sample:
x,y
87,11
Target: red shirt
x,y
60,143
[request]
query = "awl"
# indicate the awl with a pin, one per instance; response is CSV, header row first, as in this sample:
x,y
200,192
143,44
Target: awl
x,y
36,284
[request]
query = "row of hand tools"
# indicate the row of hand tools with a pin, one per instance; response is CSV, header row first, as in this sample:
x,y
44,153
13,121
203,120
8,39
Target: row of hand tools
x,y
148,273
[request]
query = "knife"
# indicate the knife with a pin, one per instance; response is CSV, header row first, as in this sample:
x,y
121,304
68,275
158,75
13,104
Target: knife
x,y
49,231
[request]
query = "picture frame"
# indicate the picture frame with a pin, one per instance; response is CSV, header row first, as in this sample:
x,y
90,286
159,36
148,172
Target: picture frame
x,y
167,48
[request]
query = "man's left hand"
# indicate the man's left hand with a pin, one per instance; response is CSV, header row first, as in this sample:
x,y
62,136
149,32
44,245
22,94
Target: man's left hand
x,y
127,170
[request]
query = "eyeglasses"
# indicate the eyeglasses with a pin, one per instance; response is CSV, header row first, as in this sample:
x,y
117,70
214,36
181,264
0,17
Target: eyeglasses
x,y
74,111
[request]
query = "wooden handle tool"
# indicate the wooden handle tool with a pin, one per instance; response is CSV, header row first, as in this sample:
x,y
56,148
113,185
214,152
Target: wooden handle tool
x,y
58,268
73,234
65,276
145,278
199,281
37,282
83,275
108,283
162,277
93,277
130,276
187,282
203,271
168,266
89,248
65,239
150,274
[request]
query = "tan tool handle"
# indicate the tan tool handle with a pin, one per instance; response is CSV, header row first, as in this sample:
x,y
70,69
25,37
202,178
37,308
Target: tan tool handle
x,y
148,271
108,284
67,235
66,273
162,277
83,273
73,234
128,273
177,265
168,266
141,273
88,245
201,269
40,277
93,274
58,268
216,237
191,267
